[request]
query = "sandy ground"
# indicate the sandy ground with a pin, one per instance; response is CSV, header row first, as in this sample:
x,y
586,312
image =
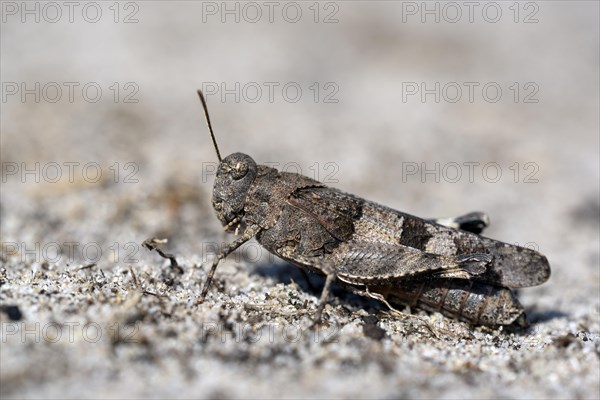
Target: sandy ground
x,y
104,145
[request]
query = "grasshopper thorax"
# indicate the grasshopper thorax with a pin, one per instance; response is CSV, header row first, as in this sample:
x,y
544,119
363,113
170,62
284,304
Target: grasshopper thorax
x,y
235,176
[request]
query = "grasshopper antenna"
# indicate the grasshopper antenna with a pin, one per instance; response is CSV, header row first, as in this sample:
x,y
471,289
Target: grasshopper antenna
x,y
212,135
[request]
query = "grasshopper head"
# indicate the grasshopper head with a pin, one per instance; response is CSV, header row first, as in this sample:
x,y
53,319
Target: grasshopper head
x,y
235,175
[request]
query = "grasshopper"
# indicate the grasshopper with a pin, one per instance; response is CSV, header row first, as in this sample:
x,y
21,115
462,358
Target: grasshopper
x,y
436,264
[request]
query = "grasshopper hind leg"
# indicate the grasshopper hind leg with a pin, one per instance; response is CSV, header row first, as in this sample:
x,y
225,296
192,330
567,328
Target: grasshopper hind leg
x,y
474,222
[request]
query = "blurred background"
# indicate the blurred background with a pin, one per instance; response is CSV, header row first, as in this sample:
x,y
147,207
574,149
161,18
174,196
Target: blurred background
x,y
432,108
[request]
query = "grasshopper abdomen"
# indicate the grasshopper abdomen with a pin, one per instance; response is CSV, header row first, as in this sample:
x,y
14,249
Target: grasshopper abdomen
x,y
470,301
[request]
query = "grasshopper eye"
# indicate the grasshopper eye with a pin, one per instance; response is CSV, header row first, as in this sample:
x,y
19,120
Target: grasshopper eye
x,y
239,170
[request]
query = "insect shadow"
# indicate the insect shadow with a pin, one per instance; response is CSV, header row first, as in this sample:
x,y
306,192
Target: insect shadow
x,y
286,273
536,317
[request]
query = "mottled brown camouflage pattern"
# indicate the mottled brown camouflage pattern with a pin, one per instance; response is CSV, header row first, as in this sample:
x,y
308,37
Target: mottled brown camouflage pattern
x,y
362,244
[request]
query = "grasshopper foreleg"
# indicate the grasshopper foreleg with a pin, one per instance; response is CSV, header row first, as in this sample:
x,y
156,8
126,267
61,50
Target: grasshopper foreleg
x,y
248,234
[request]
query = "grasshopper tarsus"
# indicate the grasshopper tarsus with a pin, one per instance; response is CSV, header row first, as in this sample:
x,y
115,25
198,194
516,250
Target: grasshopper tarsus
x,y
474,222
